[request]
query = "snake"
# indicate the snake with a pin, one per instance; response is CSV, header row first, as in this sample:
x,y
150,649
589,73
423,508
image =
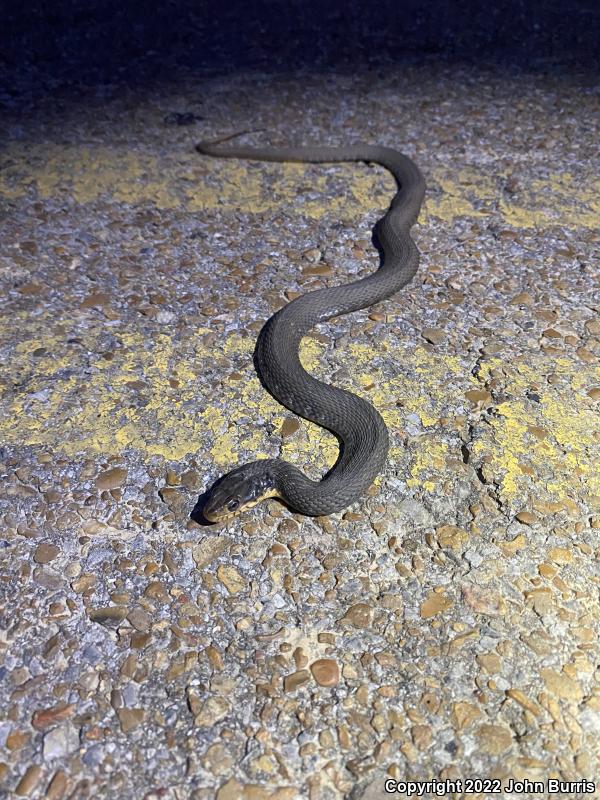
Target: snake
x,y
358,426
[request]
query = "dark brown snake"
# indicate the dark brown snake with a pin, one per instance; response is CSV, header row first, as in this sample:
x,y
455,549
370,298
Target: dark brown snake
x,y
359,427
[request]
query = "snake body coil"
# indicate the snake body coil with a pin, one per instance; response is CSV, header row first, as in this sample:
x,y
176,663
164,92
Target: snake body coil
x,y
359,427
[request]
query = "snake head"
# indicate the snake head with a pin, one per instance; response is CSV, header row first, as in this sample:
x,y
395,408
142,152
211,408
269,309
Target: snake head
x,y
239,490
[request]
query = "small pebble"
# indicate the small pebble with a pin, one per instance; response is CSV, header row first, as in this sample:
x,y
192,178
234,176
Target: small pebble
x,y
433,335
111,478
325,671
29,781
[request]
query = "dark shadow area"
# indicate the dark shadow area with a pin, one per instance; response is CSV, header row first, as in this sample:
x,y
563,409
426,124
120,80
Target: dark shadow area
x,y
197,515
45,46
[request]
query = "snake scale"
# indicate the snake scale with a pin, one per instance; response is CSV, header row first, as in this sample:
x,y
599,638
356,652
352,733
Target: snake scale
x,y
360,429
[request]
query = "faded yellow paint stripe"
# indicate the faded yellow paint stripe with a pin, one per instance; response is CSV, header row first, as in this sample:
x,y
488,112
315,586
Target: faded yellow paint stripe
x,y
564,462
182,179
72,406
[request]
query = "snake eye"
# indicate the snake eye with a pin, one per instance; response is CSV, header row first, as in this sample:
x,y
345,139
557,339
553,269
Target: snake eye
x,y
232,505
